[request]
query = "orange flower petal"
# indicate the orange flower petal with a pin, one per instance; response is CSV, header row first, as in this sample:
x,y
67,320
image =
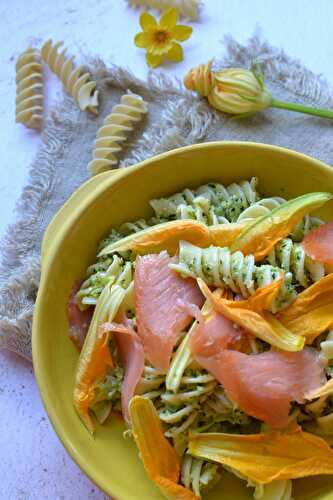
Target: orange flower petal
x,y
181,32
261,324
312,311
159,457
166,236
261,300
147,21
153,60
268,456
95,357
175,53
174,491
260,236
89,370
168,19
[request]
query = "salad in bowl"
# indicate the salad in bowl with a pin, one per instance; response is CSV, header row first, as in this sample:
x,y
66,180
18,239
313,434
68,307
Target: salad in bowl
x,y
209,328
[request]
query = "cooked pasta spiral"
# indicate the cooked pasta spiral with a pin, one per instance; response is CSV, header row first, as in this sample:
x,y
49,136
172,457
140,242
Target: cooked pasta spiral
x,y
291,257
29,89
114,131
177,410
276,490
117,272
198,475
326,347
211,203
186,8
264,206
217,266
200,79
76,82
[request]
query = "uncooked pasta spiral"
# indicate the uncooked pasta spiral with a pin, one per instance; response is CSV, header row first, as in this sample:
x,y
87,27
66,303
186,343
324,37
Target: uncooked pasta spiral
x,y
291,257
211,203
264,206
75,80
218,266
186,8
114,131
29,89
200,79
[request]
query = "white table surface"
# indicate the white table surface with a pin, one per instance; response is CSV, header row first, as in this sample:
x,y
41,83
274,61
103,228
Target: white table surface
x,y
33,463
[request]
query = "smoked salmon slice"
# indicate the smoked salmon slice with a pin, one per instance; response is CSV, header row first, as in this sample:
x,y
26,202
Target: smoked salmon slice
x,y
211,336
132,359
158,292
263,385
318,243
78,320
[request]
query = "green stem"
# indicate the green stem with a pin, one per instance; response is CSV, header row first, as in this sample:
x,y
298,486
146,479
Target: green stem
x,y
324,113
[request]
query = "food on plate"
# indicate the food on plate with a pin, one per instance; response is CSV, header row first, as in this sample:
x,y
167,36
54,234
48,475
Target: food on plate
x,y
209,327
76,81
29,89
116,126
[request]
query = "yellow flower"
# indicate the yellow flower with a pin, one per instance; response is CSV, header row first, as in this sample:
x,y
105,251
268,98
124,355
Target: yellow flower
x,y
234,90
160,39
239,91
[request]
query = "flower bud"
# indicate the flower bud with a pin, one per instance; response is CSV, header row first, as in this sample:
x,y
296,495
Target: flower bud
x,y
200,79
238,91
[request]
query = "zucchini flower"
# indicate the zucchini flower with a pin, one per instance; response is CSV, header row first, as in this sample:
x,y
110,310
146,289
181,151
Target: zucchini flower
x,y
240,91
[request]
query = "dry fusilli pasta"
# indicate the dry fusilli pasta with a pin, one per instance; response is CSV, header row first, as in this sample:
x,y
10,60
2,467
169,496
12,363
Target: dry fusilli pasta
x,y
29,89
115,128
76,82
186,8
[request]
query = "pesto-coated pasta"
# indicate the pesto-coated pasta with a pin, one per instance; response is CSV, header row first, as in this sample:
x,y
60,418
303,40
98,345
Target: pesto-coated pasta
x,y
76,81
113,270
29,89
218,266
115,130
198,475
291,257
276,490
211,203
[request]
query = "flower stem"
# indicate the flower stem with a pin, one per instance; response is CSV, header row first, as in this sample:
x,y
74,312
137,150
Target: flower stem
x,y
291,106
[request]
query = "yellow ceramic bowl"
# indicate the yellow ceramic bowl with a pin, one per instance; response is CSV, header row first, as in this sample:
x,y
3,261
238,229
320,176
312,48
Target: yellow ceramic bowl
x,y
70,246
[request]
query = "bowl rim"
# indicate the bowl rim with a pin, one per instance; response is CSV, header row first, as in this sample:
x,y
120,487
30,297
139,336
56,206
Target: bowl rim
x,y
108,182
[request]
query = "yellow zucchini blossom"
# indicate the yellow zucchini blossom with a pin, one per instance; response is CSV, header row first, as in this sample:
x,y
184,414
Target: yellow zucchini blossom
x,y
160,39
240,91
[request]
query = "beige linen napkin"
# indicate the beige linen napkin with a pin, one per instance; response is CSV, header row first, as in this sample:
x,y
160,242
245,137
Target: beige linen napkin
x,y
176,118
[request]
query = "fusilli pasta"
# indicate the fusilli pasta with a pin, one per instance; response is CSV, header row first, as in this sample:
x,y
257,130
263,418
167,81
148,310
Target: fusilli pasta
x,y
211,203
291,257
76,82
264,206
114,131
217,266
326,347
29,89
276,490
186,8
113,271
198,475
